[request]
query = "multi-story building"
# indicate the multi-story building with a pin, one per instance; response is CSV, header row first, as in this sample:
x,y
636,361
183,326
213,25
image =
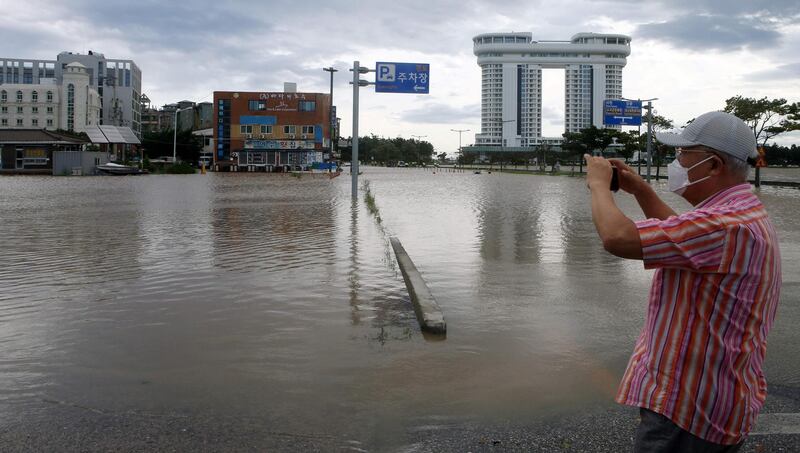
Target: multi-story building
x,y
117,82
511,98
270,131
71,105
150,116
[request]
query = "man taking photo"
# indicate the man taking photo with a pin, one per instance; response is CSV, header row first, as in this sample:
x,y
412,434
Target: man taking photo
x,y
696,368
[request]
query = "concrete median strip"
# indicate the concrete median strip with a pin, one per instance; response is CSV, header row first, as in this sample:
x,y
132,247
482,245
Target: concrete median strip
x,y
428,313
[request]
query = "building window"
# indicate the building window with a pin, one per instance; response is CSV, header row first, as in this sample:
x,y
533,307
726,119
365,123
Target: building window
x,y
70,107
307,106
255,106
35,122
49,110
19,110
289,129
49,96
308,130
246,129
3,96
4,109
35,96
34,110
49,122
19,122
19,96
266,129
4,122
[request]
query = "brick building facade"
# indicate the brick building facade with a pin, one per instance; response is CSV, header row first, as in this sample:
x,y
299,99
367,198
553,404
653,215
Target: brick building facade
x,y
270,131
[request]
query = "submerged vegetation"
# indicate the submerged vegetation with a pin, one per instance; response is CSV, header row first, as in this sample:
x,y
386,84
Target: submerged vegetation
x,y
369,199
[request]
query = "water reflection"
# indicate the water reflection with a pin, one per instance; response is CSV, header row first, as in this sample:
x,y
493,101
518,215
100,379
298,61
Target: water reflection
x,y
277,298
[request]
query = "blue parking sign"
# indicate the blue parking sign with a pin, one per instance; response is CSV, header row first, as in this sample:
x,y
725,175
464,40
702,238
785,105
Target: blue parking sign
x,y
402,78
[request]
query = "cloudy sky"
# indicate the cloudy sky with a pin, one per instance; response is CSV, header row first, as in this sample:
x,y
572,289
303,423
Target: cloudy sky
x,y
692,55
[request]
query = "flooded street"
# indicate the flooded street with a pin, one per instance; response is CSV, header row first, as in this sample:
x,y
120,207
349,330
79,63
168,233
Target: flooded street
x,y
273,303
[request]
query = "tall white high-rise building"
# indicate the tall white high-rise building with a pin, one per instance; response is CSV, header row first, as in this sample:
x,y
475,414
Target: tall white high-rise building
x,y
511,96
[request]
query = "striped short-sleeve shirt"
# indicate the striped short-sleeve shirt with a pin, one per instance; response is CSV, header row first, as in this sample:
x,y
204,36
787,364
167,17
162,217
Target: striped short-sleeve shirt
x,y
698,359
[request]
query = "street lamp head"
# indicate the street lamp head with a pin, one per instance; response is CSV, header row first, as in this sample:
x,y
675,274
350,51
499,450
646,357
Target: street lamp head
x,y
330,69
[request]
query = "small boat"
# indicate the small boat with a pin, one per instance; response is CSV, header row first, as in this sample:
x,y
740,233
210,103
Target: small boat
x,y
117,169
477,172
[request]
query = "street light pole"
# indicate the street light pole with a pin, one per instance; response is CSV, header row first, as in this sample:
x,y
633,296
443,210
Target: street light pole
x,y
649,132
332,122
418,137
503,141
460,153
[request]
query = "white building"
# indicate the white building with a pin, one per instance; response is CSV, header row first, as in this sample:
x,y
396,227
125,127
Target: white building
x,y
118,82
511,97
71,105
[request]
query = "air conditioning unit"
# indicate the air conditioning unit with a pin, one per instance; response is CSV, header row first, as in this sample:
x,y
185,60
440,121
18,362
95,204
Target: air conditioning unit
x,y
291,135
248,135
304,136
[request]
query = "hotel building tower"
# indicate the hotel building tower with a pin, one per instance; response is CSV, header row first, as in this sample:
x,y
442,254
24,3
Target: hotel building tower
x,y
511,96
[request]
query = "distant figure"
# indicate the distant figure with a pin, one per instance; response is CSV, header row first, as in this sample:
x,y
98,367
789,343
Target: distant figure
x,y
696,370
557,167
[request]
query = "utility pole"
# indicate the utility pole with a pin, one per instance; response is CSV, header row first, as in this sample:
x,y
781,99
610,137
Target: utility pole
x,y
332,118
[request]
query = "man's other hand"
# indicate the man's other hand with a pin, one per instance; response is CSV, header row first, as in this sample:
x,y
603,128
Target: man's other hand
x,y
598,173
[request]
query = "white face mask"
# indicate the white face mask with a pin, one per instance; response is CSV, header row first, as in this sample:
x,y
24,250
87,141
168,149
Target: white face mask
x,y
678,176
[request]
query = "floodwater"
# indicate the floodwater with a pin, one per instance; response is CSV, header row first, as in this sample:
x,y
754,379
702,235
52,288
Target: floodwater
x,y
274,299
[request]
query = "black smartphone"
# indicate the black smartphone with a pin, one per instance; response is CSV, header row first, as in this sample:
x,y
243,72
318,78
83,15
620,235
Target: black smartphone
x,y
614,179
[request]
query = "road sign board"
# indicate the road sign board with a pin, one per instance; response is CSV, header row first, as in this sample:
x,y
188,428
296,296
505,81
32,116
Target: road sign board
x,y
402,78
622,113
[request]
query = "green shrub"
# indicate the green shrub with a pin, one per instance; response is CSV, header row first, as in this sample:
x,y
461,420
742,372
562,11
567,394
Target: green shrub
x,y
181,168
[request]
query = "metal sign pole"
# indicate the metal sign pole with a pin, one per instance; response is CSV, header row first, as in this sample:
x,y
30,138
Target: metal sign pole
x,y
649,137
354,158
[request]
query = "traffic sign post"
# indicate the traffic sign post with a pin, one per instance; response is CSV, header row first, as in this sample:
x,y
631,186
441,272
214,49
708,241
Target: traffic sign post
x,y
411,78
622,112
389,78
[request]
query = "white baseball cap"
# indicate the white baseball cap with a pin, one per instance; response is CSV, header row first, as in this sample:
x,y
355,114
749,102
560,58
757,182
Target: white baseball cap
x,y
721,131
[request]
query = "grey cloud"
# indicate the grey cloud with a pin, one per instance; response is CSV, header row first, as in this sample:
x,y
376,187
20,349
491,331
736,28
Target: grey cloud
x,y
709,32
438,113
782,72
781,9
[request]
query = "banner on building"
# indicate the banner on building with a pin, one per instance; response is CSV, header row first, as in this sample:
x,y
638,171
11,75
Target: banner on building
x,y
279,144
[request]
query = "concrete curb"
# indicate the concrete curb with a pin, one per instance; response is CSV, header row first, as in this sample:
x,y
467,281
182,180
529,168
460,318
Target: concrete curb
x,y
428,313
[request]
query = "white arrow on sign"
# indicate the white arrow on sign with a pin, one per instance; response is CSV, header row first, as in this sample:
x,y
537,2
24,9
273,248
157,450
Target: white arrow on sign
x,y
418,88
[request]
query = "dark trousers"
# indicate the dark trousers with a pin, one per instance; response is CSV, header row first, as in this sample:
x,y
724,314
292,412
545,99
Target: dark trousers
x,y
658,434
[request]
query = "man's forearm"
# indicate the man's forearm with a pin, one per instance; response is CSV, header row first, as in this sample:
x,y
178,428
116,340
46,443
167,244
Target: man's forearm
x,y
618,233
653,206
